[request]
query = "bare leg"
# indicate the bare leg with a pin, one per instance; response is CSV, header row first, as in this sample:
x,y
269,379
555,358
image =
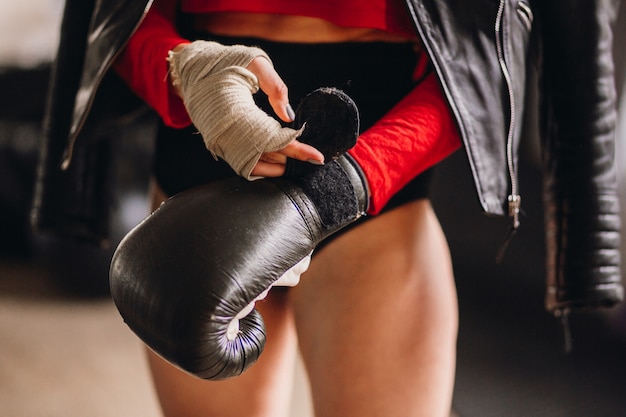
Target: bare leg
x,y
376,315
377,318
264,390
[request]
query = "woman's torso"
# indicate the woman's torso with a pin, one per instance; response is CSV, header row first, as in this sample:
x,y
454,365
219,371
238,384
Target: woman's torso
x,y
304,21
295,29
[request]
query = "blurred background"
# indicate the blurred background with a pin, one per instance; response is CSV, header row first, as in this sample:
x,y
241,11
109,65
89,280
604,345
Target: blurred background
x,y
64,351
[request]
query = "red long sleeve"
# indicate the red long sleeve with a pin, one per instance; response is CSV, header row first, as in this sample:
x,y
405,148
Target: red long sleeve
x,y
142,64
413,136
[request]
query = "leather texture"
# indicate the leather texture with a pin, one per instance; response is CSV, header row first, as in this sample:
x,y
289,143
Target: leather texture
x,y
184,274
580,189
49,208
480,51
181,276
486,90
72,200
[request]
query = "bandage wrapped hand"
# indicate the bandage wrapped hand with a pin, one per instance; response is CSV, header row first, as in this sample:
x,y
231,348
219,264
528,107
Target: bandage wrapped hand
x,y
217,90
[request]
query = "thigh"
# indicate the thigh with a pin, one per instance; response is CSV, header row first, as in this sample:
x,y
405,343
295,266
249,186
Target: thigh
x,y
376,317
263,390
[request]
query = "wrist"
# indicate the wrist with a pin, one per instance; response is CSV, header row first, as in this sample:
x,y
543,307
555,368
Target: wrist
x,y
173,78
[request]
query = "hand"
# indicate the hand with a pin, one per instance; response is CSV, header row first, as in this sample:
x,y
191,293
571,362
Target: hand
x,y
216,83
272,164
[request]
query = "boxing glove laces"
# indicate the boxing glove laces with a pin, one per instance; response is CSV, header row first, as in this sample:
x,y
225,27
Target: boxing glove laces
x,y
186,278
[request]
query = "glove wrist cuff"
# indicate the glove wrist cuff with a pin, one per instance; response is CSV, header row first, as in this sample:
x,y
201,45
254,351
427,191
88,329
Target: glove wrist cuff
x,y
357,179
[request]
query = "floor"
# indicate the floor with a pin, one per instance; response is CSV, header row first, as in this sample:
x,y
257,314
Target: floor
x,y
67,356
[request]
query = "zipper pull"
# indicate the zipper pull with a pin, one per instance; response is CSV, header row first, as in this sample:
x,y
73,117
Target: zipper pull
x,y
563,315
515,201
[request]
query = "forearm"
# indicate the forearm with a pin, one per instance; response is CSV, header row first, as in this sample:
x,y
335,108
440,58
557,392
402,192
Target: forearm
x,y
413,136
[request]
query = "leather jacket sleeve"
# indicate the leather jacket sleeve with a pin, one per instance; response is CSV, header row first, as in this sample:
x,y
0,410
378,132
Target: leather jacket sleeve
x,y
72,200
578,108
59,204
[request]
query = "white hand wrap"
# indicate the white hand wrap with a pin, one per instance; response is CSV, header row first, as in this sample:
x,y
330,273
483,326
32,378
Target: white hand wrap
x,y
217,91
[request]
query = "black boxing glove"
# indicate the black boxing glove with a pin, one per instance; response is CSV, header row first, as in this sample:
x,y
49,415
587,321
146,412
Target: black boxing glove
x,y
193,267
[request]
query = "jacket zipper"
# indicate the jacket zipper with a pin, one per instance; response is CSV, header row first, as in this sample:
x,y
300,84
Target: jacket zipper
x,y
514,199
69,150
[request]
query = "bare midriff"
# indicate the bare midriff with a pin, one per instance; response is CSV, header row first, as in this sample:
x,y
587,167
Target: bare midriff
x,y
285,28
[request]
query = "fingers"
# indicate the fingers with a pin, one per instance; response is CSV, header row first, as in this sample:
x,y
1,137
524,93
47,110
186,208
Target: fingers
x,y
272,164
268,169
298,150
272,85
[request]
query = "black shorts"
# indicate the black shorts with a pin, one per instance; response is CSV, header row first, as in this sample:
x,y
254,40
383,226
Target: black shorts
x,y
375,75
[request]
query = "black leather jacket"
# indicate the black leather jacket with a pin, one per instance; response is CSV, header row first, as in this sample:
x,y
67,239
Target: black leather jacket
x,y
481,52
